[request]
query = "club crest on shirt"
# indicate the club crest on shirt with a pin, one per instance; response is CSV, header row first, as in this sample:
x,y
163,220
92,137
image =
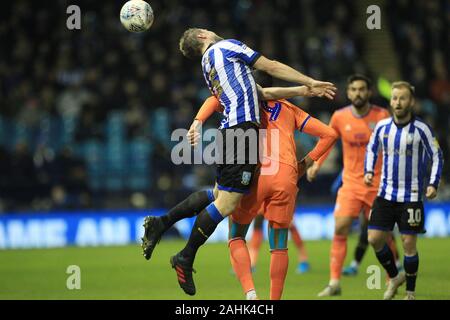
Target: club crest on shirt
x,y
372,125
348,127
410,138
436,143
246,176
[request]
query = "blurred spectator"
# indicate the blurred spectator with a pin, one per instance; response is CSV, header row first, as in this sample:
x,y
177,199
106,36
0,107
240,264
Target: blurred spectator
x,y
70,188
22,183
66,83
136,119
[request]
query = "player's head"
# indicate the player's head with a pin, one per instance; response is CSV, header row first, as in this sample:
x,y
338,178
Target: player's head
x,y
359,90
194,40
262,78
402,99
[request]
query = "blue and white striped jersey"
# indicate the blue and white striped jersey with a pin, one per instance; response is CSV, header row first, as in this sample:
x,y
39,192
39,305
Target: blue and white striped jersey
x,y
226,68
406,152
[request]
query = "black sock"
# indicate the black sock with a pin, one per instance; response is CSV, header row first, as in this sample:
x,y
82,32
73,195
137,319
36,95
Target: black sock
x,y
387,260
189,207
411,265
204,226
362,246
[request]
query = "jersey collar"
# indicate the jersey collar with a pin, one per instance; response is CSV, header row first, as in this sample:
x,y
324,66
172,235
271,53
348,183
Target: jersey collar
x,y
402,125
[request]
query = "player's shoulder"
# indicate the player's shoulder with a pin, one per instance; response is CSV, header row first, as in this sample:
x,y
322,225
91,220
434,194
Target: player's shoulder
x,y
379,110
421,124
285,103
343,111
230,44
384,122
378,113
289,105
342,115
233,41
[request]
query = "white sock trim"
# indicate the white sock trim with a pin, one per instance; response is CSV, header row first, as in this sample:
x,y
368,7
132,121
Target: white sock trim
x,y
251,295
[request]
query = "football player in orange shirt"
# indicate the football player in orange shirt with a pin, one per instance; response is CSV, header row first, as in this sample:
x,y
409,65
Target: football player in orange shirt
x,y
354,125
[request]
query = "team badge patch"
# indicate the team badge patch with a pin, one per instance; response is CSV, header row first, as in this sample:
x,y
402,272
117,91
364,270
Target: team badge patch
x,y
436,143
246,176
409,138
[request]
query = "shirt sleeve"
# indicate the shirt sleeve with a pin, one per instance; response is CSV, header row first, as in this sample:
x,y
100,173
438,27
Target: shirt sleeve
x,y
210,106
333,124
244,53
433,150
301,118
327,137
372,150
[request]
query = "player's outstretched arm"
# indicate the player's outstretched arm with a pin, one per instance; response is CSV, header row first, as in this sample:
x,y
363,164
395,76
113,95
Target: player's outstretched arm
x,y
284,72
327,137
326,134
208,107
314,169
275,93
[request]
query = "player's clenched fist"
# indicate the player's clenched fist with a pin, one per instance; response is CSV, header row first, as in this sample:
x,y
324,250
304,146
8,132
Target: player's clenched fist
x,y
193,134
431,192
304,165
311,172
368,179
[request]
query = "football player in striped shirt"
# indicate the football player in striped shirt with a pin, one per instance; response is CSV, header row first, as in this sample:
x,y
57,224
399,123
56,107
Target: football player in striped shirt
x,y
274,192
226,67
407,144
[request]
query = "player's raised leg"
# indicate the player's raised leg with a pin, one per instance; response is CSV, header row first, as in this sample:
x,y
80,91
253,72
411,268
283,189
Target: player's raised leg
x,y
156,226
205,224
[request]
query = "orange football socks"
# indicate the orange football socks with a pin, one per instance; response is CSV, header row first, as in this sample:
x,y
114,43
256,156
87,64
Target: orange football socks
x,y
279,261
337,256
240,260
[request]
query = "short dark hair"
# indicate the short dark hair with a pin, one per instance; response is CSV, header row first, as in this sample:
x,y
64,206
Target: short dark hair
x,y
357,76
262,78
190,45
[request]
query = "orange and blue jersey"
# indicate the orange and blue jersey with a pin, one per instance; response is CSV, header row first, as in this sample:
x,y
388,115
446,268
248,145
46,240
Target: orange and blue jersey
x,y
355,132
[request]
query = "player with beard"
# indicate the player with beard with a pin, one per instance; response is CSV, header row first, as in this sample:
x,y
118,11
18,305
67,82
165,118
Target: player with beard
x,y
354,124
408,146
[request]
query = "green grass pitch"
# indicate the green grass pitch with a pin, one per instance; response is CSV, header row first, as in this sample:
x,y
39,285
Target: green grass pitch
x,y
122,273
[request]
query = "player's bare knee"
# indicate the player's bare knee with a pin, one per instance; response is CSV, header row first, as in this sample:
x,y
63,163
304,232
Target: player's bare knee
x,y
225,208
376,241
409,245
232,241
342,229
227,203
